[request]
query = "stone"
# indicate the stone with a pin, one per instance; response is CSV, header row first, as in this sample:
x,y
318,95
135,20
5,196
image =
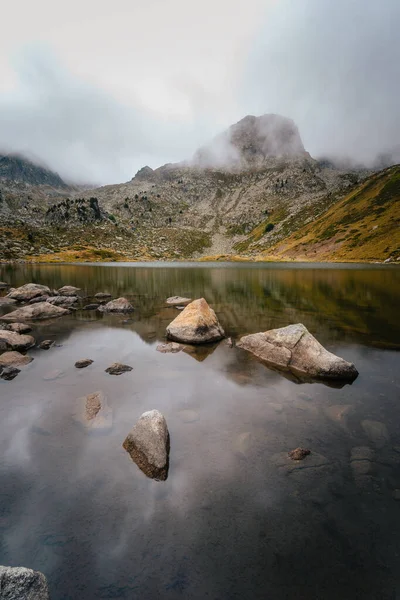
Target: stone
x,y
28,291
5,301
148,445
17,327
4,285
84,362
196,324
294,349
14,359
188,416
46,344
65,301
118,369
91,307
39,299
172,347
178,301
68,290
102,295
299,453
376,431
43,310
19,583
16,341
9,373
121,305
94,413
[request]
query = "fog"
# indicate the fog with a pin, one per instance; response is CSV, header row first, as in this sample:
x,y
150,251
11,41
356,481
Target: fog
x,y
332,67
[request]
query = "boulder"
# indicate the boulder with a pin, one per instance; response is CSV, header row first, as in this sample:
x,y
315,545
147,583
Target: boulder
x,y
17,327
102,295
148,445
39,299
178,301
43,310
5,301
121,305
9,373
196,324
68,290
118,369
299,453
16,341
64,301
14,359
84,362
294,349
46,344
28,291
19,583
94,413
172,347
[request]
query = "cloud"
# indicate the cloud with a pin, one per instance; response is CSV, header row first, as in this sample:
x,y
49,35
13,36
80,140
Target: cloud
x,y
333,67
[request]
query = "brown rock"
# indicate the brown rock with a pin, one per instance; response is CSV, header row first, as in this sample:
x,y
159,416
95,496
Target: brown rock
x,y
196,324
294,349
43,310
299,453
28,291
172,347
14,359
16,341
118,369
68,290
102,295
64,301
121,305
94,413
84,362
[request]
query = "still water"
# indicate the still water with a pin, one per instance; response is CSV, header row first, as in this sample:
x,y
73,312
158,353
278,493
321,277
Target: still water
x,y
236,519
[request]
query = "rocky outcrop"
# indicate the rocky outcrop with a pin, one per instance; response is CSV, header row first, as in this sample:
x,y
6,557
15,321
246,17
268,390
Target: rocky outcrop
x,y
294,349
118,369
14,359
148,445
16,341
196,324
178,301
19,583
28,291
68,290
94,413
121,305
41,311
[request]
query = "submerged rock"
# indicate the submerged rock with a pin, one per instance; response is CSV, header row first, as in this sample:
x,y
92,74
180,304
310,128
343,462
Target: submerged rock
x,y
94,413
299,453
14,359
376,431
148,445
65,301
294,349
178,301
16,341
91,307
9,373
43,310
28,291
68,290
121,305
46,344
84,362
172,347
19,583
118,369
196,324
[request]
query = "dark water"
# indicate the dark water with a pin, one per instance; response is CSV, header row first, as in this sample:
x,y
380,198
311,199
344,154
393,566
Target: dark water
x,y
235,518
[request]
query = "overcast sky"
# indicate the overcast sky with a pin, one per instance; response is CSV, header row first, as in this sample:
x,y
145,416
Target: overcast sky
x,y
97,89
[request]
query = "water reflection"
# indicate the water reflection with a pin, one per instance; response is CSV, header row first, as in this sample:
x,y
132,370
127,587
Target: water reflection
x,y
234,519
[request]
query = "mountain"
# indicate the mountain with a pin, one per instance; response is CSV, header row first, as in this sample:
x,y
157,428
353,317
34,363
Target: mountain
x,y
243,195
18,169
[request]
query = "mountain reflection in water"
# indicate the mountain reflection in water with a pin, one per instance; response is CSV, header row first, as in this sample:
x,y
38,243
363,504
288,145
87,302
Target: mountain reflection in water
x,y
236,518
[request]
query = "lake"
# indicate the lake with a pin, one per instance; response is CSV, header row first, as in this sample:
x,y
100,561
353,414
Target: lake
x,y
236,518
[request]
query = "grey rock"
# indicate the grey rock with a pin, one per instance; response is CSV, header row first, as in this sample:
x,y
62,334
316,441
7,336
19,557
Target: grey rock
x,y
121,305
196,324
68,290
64,301
178,301
4,285
294,349
16,341
102,295
28,291
19,583
17,327
84,362
148,445
118,369
43,310
9,373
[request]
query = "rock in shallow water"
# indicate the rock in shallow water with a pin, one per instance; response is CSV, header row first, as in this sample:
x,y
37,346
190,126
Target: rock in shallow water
x,y
68,290
9,373
294,349
16,341
196,324
4,285
94,413
28,291
43,310
17,327
14,359
118,369
121,305
177,301
299,453
172,347
46,344
85,362
19,583
64,301
148,445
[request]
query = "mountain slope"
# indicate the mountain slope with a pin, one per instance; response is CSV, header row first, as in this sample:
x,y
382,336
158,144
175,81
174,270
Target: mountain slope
x,y
21,170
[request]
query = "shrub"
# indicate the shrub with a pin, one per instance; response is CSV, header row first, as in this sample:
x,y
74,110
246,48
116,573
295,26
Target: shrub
x,y
269,227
